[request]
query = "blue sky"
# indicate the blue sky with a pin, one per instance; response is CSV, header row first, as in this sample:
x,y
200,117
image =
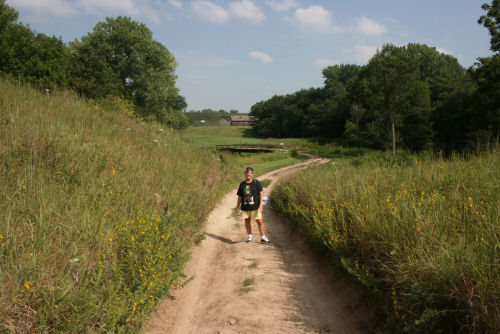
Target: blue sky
x,y
232,54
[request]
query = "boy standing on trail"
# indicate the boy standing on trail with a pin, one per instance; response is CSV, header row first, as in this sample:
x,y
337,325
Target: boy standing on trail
x,y
250,197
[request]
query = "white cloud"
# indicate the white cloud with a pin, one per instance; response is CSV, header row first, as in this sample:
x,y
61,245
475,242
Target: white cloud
x,y
315,18
51,7
247,9
369,27
446,52
210,11
361,53
325,62
282,5
175,3
260,56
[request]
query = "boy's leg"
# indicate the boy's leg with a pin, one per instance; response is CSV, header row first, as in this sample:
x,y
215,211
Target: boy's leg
x,y
248,226
260,224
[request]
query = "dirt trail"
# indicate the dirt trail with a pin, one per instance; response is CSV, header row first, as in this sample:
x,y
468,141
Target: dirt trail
x,y
255,288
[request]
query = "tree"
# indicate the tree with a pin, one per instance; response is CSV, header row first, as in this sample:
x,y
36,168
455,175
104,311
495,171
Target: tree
x,y
443,73
30,56
390,90
336,108
120,57
270,116
484,122
180,103
491,20
338,78
7,15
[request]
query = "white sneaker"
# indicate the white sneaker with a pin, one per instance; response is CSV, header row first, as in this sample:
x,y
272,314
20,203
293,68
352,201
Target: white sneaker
x,y
249,240
264,240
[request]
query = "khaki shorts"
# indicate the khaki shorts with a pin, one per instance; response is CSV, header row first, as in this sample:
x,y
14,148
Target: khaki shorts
x,y
255,214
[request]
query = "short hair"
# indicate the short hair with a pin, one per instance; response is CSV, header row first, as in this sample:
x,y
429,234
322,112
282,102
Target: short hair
x,y
249,169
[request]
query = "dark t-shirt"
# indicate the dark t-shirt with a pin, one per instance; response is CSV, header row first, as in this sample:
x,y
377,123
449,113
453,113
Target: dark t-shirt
x,y
250,195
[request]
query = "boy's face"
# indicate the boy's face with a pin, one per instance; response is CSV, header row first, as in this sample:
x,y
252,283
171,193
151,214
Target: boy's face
x,y
249,175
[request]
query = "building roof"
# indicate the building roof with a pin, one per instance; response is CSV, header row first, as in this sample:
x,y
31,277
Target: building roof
x,y
242,118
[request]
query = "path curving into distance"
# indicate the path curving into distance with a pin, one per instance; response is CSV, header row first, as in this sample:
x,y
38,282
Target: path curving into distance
x,y
254,288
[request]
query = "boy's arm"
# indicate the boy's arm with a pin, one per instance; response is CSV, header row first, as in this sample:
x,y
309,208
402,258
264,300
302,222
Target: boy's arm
x,y
239,202
260,201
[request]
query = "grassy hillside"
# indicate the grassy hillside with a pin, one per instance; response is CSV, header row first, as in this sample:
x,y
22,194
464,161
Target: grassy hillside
x,y
422,234
97,212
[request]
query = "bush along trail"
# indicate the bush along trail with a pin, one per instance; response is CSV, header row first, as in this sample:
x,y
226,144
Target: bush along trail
x,y
421,234
98,212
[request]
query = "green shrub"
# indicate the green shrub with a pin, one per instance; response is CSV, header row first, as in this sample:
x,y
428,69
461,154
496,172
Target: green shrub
x,y
117,104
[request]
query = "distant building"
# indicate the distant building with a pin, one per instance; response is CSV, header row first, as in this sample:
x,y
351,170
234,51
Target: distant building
x,y
242,120
225,121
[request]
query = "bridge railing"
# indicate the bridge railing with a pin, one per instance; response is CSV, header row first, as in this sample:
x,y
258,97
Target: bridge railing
x,y
248,147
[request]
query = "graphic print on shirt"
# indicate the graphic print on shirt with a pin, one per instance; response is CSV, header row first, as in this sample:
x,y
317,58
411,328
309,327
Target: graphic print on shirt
x,y
248,196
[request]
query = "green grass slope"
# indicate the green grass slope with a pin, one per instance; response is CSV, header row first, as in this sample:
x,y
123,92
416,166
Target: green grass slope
x,y
98,212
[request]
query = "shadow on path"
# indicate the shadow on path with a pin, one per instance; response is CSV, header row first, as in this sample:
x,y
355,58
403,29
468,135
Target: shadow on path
x,y
224,240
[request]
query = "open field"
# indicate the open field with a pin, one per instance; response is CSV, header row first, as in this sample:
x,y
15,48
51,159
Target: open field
x,y
219,135
210,136
421,233
207,137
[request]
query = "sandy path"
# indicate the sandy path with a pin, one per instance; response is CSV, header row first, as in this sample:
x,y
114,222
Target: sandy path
x,y
287,289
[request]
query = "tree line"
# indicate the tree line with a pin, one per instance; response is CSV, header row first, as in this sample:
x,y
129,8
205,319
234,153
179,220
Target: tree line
x,y
118,59
412,97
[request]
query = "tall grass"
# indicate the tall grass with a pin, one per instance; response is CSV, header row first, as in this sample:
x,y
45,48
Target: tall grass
x,y
98,211
423,234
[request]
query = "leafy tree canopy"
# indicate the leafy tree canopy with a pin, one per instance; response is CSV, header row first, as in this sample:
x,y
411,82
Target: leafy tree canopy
x,y
29,56
7,15
121,58
390,101
491,20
